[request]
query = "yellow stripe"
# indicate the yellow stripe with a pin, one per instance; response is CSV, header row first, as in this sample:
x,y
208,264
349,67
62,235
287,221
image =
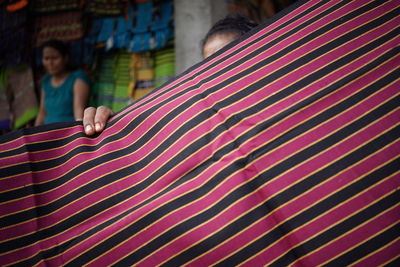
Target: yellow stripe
x,y
390,261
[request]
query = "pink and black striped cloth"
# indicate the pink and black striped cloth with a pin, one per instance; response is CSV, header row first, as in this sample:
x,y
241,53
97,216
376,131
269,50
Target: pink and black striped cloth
x,y
281,149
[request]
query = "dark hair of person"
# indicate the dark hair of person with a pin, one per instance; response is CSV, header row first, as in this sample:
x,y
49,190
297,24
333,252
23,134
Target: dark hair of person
x,y
235,23
58,45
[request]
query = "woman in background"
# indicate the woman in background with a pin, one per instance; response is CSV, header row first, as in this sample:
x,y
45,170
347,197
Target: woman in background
x,y
64,92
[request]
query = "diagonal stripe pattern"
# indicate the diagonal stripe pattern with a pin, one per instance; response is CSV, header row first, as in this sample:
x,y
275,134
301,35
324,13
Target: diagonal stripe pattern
x,y
280,149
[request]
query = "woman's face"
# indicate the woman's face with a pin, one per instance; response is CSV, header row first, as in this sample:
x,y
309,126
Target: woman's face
x,y
217,41
53,61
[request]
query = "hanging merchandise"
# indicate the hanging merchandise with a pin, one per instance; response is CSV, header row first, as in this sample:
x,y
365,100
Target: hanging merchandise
x,y
123,33
24,105
121,96
15,5
143,69
146,26
5,96
141,33
106,29
104,82
111,32
104,8
161,25
94,30
121,77
45,6
164,66
134,52
65,26
81,51
18,103
154,25
14,35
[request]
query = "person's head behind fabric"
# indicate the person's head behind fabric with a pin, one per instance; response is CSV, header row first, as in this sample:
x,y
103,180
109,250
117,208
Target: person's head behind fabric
x,y
225,31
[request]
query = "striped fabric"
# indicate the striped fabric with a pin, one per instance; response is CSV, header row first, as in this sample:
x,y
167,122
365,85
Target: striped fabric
x,y
281,149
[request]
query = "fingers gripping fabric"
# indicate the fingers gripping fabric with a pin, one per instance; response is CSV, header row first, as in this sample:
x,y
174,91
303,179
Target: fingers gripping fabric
x,y
281,149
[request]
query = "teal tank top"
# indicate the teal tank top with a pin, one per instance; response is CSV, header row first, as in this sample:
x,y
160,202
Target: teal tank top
x,y
59,100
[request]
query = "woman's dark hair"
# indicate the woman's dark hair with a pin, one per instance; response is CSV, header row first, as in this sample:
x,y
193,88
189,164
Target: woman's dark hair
x,y
233,23
58,45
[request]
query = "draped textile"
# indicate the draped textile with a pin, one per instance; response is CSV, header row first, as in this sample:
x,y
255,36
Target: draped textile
x,y
283,148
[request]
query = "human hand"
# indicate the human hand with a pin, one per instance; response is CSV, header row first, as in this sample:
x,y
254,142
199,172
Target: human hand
x,y
95,119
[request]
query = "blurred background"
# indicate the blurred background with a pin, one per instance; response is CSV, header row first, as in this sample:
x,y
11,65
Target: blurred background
x,y
127,47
